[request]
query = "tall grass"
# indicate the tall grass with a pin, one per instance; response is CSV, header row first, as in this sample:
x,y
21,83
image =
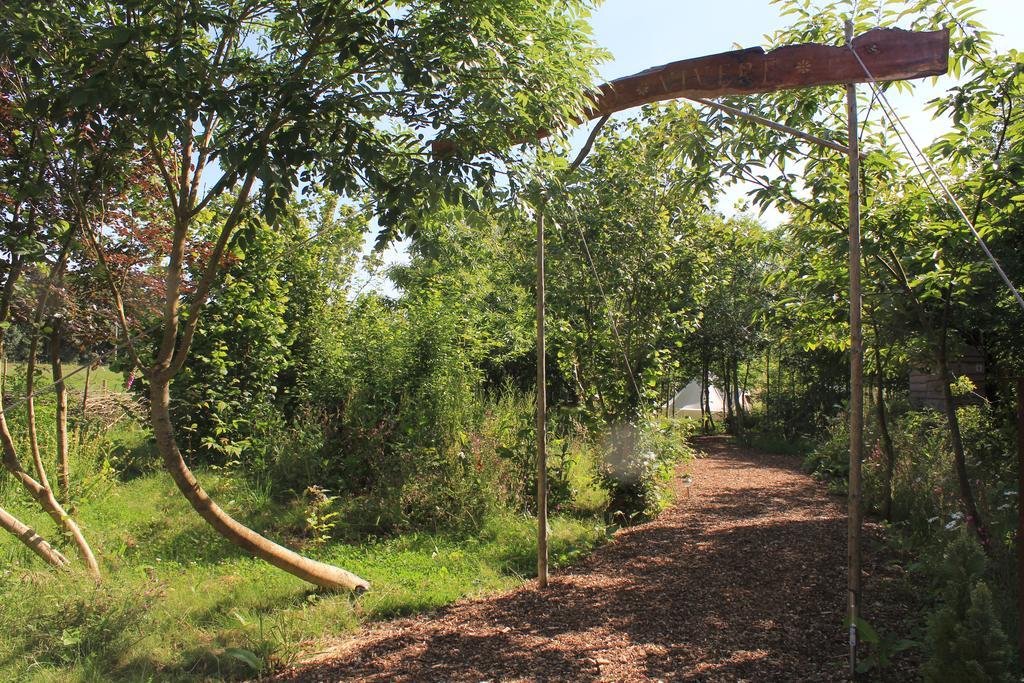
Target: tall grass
x,y
179,603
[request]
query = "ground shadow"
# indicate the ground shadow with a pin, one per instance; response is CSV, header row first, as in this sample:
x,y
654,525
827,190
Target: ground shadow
x,y
745,578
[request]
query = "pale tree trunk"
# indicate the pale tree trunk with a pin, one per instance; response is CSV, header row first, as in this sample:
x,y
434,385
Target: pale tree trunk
x,y
44,496
730,423
741,386
55,280
39,490
245,538
57,369
703,387
32,540
706,396
30,407
737,395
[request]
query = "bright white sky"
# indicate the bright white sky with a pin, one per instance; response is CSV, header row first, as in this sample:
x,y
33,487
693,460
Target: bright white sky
x,y
645,33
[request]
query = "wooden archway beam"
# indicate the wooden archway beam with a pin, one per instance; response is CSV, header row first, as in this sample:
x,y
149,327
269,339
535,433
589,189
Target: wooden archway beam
x,y
890,54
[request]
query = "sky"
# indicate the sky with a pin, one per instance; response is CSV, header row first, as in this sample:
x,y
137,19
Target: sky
x,y
645,33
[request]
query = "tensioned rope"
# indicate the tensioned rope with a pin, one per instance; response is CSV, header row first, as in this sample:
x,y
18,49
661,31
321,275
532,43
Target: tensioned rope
x,y
590,259
608,309
897,124
963,29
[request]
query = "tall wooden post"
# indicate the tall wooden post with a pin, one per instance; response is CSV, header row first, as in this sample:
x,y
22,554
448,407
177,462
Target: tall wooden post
x,y
85,391
542,408
1020,513
85,405
856,375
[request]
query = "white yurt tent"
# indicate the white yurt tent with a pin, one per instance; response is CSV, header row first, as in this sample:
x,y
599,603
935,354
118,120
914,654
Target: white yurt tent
x,y
686,403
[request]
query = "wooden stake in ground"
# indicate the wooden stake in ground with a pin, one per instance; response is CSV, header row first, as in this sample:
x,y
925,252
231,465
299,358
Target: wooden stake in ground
x,y
85,405
856,375
542,407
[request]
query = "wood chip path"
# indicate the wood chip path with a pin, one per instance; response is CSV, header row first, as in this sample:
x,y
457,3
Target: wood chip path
x,y
741,580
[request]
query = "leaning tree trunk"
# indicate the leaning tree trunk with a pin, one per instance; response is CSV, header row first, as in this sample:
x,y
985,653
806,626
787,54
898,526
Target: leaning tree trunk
x,y
169,360
882,414
44,496
41,490
32,540
57,369
314,572
974,520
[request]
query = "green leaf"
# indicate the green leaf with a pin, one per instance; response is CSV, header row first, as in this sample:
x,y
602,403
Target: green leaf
x,y
247,657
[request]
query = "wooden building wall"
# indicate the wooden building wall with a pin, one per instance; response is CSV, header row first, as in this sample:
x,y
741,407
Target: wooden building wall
x,y
926,386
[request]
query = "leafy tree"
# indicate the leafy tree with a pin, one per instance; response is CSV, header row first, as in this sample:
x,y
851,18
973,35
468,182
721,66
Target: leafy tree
x,y
46,176
928,278
238,99
627,271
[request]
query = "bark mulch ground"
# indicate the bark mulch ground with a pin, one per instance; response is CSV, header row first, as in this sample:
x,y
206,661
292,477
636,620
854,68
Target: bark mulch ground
x,y
742,579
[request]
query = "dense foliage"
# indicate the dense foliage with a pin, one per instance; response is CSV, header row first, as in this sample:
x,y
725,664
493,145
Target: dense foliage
x,y
186,190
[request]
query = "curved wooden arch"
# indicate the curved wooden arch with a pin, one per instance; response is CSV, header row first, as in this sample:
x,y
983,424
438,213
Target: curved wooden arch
x,y
891,54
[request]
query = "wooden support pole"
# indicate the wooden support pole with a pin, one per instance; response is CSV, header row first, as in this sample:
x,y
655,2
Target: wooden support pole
x,y
1020,514
856,376
542,408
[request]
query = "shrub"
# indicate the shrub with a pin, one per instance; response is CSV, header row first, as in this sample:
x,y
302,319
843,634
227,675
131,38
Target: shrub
x,y
830,459
224,398
641,460
966,642
400,393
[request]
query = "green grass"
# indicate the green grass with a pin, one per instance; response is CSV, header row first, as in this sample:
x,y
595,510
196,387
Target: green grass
x,y
179,603
97,376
